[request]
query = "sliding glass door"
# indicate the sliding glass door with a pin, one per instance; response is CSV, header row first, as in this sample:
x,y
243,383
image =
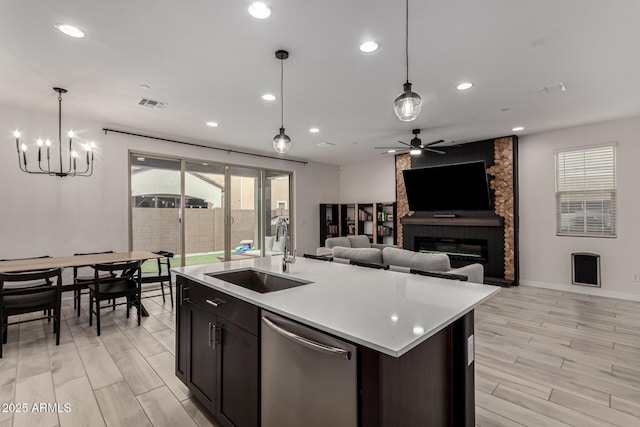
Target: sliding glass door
x,y
206,213
155,204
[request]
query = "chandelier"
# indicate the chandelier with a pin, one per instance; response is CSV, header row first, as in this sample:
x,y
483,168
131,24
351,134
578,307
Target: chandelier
x,y
72,169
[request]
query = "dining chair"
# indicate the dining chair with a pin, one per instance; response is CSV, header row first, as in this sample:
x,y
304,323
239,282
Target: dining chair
x,y
33,283
163,274
125,283
82,277
28,292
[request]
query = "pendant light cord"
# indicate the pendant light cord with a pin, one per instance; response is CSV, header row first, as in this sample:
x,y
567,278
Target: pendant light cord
x,y
281,93
407,38
60,132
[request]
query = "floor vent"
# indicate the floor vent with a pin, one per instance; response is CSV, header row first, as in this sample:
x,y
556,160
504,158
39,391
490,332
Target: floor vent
x,y
151,103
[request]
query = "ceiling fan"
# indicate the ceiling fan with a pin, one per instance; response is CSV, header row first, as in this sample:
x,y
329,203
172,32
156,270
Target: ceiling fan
x,y
415,146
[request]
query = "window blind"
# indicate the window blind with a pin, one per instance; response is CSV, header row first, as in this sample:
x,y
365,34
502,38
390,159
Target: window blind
x,y
586,192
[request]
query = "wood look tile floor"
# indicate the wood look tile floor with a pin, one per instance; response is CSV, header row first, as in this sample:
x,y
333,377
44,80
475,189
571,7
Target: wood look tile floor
x,y
543,358
550,358
124,377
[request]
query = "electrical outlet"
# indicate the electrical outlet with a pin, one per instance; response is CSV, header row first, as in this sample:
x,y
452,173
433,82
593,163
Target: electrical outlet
x,y
636,277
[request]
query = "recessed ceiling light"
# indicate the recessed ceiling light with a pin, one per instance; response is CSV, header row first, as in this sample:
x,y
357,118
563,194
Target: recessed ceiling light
x,y
212,124
259,10
418,330
391,151
268,97
314,130
70,30
517,129
141,159
369,46
464,86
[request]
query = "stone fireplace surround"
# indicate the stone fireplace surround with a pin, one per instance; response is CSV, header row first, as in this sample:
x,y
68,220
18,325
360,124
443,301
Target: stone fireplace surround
x,y
499,227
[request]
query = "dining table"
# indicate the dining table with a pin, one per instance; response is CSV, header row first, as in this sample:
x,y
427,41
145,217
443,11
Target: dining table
x,y
31,264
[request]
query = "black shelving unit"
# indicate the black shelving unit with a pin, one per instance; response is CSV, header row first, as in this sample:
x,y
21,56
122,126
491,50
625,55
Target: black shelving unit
x,y
329,221
348,219
386,223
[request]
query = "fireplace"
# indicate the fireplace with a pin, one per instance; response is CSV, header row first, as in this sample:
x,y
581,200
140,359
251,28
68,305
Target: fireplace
x,y
461,251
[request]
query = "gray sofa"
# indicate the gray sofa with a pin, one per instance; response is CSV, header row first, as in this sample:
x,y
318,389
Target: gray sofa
x,y
360,242
404,260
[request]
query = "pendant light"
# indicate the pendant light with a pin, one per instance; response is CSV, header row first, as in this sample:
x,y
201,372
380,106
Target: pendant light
x,y
408,104
281,142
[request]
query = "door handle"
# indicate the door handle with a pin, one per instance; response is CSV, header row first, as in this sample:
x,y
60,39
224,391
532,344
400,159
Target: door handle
x,y
216,302
182,288
306,342
212,327
213,335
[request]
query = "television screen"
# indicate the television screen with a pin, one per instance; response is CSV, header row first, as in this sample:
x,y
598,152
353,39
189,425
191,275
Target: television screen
x,y
461,186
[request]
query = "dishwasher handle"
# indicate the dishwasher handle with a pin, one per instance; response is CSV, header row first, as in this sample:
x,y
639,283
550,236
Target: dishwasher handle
x,y
313,345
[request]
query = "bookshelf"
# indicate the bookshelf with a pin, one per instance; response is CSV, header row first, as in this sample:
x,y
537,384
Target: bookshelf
x,y
375,220
385,223
329,221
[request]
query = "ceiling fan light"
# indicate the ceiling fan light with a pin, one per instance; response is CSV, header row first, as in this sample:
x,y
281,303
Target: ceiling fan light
x,y
281,142
408,104
415,152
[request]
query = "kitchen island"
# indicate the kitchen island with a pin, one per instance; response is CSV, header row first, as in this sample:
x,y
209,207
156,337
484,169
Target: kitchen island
x,y
413,337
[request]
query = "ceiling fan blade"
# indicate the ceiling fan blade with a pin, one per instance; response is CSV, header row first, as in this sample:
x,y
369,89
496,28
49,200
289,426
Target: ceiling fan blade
x,y
432,143
434,151
390,148
404,143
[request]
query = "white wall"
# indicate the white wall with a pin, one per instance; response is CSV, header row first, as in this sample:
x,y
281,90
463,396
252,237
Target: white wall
x,y
367,182
60,216
545,259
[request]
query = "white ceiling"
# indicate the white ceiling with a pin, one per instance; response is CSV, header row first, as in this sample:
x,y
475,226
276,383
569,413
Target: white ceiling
x,y
210,60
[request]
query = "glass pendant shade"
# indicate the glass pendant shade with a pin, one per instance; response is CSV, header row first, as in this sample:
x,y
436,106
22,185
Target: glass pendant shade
x,y
408,104
281,142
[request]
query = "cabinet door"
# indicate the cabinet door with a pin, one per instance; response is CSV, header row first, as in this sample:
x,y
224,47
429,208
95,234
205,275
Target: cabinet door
x,y
182,328
237,376
201,372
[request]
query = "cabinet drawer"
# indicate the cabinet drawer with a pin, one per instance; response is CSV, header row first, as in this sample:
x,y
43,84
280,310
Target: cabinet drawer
x,y
236,311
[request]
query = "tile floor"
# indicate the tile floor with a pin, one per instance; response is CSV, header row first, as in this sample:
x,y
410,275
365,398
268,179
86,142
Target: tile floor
x,y
543,358
125,377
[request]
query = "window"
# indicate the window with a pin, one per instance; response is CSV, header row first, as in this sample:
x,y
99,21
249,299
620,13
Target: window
x,y
586,192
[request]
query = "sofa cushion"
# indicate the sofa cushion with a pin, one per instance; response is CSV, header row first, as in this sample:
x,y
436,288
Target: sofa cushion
x,y
358,254
416,260
332,242
359,241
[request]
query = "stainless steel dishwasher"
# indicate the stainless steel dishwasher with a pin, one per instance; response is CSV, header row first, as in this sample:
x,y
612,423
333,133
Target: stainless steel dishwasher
x,y
308,378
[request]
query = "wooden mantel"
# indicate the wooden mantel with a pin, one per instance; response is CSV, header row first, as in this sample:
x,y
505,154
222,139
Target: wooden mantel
x,y
455,222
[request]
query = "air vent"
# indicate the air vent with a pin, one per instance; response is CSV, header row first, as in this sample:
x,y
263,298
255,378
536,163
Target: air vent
x,y
151,103
326,144
558,87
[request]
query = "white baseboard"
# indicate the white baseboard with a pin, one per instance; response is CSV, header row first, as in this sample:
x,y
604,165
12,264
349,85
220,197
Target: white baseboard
x,y
583,290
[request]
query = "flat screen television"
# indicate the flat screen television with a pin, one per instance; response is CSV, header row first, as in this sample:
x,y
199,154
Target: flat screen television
x,y
462,186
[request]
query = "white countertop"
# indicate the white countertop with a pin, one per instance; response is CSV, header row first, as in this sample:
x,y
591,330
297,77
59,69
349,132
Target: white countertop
x,y
391,312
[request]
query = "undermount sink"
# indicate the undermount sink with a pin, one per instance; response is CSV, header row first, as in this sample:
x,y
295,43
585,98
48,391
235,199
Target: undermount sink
x,y
258,281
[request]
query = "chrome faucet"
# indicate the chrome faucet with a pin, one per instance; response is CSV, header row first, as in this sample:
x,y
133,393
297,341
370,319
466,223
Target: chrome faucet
x,y
282,232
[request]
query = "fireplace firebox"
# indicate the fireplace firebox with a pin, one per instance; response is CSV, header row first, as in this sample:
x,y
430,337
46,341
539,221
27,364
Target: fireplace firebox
x,y
461,251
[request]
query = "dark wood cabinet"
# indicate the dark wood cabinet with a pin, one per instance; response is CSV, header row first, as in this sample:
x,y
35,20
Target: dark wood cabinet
x,y
201,372
182,330
238,376
217,352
